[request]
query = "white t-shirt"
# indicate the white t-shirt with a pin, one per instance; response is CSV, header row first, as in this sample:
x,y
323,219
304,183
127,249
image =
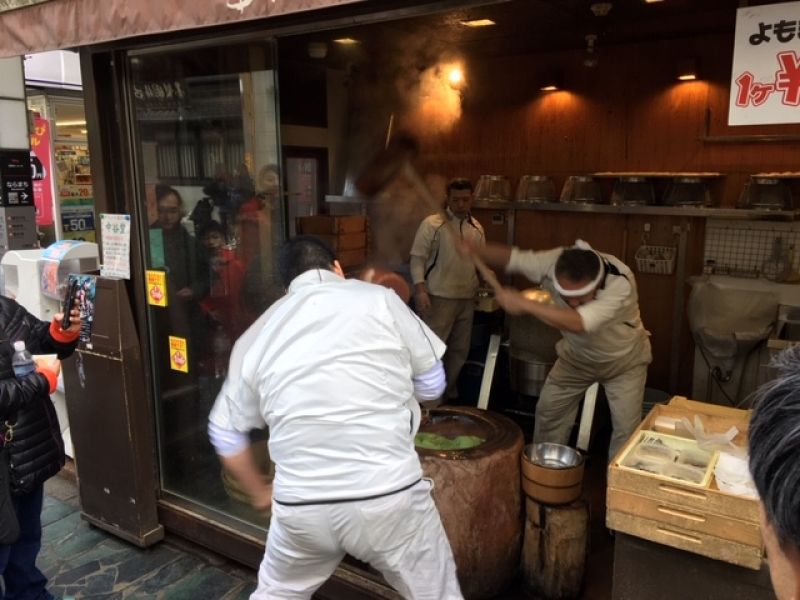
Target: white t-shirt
x,y
329,369
611,321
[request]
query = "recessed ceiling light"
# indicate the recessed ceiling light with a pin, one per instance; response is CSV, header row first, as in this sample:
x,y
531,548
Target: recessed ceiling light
x,y
346,41
652,1
478,23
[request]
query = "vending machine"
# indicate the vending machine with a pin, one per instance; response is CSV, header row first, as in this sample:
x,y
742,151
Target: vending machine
x,y
36,279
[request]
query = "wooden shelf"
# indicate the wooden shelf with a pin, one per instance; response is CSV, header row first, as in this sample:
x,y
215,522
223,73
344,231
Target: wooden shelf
x,y
656,174
681,211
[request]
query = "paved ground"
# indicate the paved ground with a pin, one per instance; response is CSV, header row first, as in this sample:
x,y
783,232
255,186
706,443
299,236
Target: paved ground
x,y
84,562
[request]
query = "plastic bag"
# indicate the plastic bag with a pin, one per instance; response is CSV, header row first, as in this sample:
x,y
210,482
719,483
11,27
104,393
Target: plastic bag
x,y
733,475
713,441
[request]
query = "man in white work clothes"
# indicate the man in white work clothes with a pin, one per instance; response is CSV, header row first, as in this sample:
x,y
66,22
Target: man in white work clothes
x,y
596,308
444,281
335,369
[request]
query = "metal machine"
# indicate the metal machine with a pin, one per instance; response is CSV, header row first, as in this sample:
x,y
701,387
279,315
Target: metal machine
x,y
35,279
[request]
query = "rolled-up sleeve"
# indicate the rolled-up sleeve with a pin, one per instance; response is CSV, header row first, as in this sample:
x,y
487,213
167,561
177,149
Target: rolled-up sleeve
x,y
607,305
430,384
226,441
533,265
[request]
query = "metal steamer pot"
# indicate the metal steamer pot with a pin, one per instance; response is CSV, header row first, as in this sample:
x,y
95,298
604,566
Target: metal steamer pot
x,y
532,347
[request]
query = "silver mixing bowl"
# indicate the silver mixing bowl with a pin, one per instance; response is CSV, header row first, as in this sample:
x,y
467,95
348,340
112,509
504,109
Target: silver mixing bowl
x,y
553,456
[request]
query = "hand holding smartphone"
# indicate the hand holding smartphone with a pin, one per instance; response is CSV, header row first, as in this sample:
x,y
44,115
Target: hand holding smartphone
x,y
69,302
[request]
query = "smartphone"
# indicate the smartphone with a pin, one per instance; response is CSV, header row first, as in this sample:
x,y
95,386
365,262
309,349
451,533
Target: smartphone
x,y
69,302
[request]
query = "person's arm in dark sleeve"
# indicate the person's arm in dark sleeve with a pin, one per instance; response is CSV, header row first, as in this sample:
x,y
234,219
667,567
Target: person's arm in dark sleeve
x,y
49,338
15,393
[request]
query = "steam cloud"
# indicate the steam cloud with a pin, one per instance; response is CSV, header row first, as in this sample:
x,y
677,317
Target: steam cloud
x,y
435,105
404,86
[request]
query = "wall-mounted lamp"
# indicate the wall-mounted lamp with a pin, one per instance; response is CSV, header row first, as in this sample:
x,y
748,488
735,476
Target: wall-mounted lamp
x,y
455,76
478,23
551,82
687,70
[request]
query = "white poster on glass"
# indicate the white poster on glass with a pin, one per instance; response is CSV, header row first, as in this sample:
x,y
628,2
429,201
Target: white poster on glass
x,y
765,81
116,259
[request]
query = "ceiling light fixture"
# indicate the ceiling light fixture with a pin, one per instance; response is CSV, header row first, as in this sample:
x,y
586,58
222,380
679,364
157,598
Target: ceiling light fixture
x,y
590,55
551,82
456,77
600,9
652,1
72,123
687,70
478,23
346,41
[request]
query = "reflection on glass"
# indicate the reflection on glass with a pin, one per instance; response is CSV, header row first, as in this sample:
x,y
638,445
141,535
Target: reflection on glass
x,y
214,217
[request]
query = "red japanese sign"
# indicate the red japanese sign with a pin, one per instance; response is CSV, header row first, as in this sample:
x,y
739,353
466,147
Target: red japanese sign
x,y
765,82
41,171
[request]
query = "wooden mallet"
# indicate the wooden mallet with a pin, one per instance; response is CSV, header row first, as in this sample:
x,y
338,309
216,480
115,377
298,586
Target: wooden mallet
x,y
395,161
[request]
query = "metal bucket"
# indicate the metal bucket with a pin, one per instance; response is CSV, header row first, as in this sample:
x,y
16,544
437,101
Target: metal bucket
x,y
527,372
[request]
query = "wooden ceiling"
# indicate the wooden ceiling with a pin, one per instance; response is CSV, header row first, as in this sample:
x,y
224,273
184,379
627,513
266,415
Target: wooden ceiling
x,y
524,26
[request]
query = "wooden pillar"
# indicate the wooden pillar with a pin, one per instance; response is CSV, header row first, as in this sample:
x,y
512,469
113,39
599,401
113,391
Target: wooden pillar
x,y
554,549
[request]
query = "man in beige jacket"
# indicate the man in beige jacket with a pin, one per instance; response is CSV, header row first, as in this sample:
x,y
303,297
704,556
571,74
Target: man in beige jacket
x,y
445,282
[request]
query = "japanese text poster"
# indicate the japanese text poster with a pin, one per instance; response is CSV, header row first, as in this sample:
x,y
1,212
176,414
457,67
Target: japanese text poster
x,y
116,245
765,82
178,354
157,288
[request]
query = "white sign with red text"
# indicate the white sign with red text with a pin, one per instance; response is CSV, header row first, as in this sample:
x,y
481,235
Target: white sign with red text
x,y
765,82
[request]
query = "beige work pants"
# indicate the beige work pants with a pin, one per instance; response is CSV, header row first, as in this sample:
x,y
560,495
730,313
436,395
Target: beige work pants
x,y
451,320
623,381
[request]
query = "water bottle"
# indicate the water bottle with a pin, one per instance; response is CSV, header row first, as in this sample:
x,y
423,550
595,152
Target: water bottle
x,y
22,361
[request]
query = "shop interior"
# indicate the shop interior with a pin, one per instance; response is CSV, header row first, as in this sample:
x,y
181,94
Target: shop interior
x,y
586,100
62,177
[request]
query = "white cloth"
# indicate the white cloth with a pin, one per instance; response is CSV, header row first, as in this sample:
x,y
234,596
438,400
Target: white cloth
x,y
611,321
329,369
435,260
401,535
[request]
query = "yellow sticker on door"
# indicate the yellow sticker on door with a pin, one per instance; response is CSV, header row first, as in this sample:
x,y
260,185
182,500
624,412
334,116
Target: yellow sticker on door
x,y
178,354
157,288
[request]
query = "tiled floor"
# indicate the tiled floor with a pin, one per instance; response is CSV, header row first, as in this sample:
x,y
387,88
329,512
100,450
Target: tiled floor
x,y
82,561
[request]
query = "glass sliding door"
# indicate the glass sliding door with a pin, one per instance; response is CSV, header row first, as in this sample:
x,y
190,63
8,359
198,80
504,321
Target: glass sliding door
x,y
206,137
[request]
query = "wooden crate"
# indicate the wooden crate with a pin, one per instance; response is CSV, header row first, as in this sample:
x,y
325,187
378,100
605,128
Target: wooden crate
x,y
707,520
344,241
352,258
690,540
331,224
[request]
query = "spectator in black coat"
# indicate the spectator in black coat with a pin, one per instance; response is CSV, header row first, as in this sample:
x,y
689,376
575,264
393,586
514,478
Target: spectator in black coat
x,y
32,436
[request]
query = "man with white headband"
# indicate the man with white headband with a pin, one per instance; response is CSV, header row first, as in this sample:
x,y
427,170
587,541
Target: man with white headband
x,y
596,308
